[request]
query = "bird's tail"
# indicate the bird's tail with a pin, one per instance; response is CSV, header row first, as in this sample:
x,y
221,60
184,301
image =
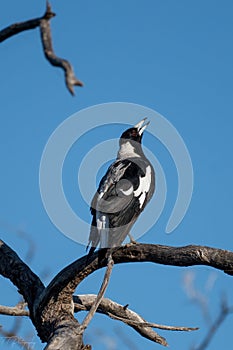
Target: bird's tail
x,y
93,241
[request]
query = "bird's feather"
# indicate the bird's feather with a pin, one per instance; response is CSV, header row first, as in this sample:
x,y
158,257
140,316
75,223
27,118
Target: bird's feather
x,y
120,200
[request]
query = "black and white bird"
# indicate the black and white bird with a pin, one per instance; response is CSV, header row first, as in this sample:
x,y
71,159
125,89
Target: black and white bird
x,y
123,192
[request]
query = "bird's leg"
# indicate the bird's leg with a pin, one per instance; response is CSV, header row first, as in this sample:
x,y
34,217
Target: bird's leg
x,y
132,240
104,231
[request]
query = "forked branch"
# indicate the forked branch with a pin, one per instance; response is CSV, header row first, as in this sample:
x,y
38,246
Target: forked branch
x,y
51,308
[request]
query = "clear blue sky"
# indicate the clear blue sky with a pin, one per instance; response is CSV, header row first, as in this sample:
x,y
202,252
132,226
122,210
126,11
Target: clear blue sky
x,y
175,57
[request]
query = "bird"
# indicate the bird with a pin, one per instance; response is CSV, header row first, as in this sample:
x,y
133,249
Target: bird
x,y
123,192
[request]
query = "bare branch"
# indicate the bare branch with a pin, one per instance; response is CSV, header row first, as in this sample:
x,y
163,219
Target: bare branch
x,y
68,279
224,312
154,325
56,324
114,311
17,28
46,38
13,268
13,311
196,296
131,318
31,244
100,295
13,338
51,308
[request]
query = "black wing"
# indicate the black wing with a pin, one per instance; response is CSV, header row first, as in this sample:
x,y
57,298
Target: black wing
x,y
118,198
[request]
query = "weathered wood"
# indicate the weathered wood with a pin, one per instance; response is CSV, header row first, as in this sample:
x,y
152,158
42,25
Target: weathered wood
x,y
51,308
44,24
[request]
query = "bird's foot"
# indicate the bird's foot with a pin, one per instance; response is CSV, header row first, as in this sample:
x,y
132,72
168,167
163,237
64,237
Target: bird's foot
x,y
132,240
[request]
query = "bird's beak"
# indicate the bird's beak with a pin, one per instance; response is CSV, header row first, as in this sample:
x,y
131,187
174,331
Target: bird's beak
x,y
141,126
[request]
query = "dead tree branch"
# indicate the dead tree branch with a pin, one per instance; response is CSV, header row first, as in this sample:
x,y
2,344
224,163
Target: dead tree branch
x,y
125,315
15,339
44,24
13,268
51,308
13,311
225,310
17,28
113,310
100,295
68,279
46,39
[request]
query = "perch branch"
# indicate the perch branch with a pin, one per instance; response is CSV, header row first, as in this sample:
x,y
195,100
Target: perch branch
x,y
68,279
51,308
64,284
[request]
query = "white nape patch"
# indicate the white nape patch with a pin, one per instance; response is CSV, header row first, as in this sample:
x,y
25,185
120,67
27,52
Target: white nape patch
x,y
103,229
144,186
127,151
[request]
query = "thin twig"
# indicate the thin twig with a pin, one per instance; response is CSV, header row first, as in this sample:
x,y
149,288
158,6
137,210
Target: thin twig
x,y
100,295
224,312
31,245
153,325
13,338
196,296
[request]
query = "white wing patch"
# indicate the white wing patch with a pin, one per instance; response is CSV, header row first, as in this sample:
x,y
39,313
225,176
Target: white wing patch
x,y
127,192
144,186
142,199
124,188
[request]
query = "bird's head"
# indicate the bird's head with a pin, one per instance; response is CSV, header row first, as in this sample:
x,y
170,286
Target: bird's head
x,y
130,141
136,132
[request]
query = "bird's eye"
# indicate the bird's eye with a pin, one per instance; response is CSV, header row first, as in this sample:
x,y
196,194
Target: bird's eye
x,y
134,133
